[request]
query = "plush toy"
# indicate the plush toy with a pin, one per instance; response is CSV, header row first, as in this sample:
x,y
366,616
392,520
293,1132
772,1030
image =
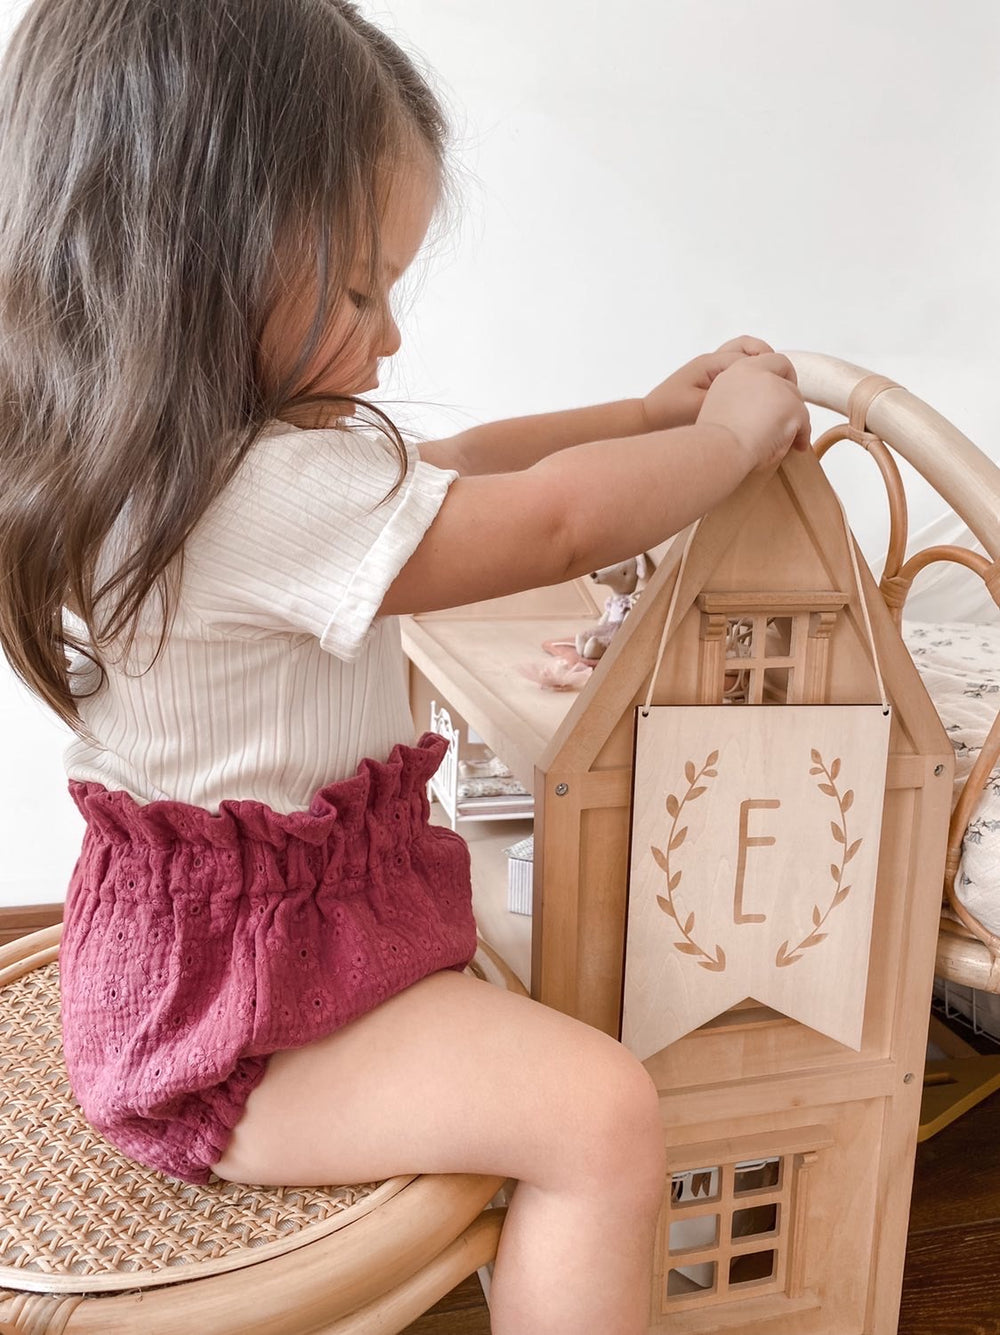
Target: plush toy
x,y
624,581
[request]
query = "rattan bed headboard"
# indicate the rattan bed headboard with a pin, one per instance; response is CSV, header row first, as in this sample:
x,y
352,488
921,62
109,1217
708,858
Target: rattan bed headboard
x,y
886,419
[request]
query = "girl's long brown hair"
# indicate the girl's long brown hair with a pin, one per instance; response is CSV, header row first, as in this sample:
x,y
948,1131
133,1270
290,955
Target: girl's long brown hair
x,y
167,172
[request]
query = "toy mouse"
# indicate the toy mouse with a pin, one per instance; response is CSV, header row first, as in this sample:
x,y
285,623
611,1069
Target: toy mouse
x,y
623,580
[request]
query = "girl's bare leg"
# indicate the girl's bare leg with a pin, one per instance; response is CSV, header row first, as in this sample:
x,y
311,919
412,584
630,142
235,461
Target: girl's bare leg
x,y
457,1075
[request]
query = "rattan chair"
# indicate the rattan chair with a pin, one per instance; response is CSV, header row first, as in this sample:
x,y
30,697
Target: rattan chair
x,y
92,1242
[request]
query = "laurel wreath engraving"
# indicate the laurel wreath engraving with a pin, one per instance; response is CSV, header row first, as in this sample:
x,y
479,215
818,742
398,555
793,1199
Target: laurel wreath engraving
x,y
784,956
716,963
689,946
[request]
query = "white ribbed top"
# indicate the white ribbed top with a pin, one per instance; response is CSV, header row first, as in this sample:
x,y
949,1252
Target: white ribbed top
x,y
277,676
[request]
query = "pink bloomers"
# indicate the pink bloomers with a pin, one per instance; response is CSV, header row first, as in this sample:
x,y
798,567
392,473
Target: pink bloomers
x,y
196,944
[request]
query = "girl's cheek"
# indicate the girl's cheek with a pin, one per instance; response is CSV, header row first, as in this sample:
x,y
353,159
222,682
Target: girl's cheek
x,y
280,340
335,366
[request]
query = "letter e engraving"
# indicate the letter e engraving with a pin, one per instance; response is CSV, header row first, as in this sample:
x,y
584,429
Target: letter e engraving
x,y
750,841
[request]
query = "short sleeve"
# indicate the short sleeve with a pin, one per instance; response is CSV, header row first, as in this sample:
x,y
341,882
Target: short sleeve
x,y
304,539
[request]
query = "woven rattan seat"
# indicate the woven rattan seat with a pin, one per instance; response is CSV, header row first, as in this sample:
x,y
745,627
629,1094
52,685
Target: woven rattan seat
x,y
92,1242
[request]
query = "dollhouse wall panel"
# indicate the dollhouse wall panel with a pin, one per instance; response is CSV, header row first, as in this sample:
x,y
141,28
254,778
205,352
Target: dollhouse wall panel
x,y
555,935
603,862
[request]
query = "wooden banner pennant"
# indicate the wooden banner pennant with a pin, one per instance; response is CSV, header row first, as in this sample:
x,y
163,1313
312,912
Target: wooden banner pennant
x,y
755,838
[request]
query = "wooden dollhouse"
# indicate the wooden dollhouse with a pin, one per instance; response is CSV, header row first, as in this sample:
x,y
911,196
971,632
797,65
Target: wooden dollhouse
x,y
780,1004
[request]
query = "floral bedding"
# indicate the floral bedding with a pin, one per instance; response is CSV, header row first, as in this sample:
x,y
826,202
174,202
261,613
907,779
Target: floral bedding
x,y
960,666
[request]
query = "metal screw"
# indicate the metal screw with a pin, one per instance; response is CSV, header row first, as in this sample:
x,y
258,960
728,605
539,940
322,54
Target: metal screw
x,y
938,769
908,1078
562,789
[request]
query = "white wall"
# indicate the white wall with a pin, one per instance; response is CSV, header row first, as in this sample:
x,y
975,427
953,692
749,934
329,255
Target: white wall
x,y
647,179
655,177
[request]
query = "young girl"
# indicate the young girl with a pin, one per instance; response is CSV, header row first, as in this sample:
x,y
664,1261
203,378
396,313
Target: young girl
x,y
206,536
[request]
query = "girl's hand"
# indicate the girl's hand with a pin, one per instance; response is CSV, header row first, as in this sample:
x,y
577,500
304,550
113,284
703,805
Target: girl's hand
x,y
757,400
677,402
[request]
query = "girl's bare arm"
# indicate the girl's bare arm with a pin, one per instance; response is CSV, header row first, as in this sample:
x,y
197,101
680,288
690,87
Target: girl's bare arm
x,y
574,511
518,442
594,504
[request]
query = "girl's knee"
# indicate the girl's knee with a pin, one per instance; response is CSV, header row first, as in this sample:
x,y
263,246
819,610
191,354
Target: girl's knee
x,y
640,1118
624,1121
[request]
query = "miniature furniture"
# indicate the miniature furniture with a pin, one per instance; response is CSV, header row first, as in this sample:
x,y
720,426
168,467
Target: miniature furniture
x,y
484,796
91,1242
790,1140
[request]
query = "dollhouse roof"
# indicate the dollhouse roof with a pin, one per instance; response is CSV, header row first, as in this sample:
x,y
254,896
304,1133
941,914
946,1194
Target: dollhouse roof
x,y
779,539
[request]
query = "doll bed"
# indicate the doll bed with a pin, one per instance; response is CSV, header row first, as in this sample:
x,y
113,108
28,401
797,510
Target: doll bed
x,y
481,789
959,661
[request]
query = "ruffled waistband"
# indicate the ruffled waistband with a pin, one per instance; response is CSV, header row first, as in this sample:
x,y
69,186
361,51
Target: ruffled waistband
x,y
397,784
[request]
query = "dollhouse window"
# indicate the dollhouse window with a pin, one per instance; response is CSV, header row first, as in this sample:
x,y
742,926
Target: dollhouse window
x,y
765,648
729,1230
762,656
725,1231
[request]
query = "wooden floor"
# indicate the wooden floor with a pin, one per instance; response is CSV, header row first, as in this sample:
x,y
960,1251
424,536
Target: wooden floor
x,y
952,1280
462,1312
